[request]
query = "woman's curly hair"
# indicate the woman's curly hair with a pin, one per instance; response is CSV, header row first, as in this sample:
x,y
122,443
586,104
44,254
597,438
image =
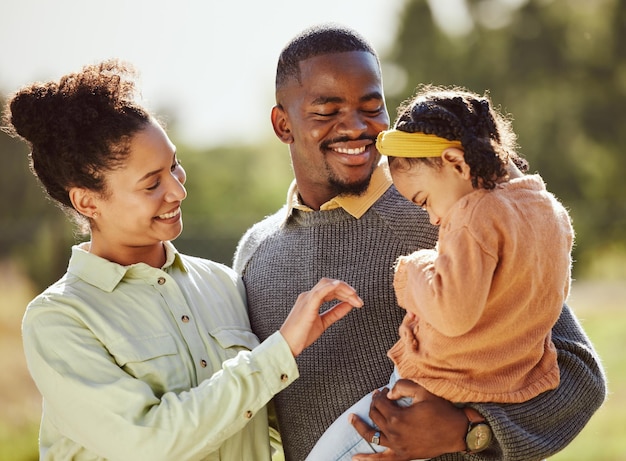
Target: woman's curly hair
x,y
78,128
457,114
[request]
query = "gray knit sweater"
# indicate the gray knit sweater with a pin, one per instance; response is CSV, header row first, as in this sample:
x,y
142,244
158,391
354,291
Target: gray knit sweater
x,y
280,258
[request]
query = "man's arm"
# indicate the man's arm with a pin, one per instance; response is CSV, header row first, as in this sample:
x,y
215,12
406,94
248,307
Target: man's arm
x,y
535,429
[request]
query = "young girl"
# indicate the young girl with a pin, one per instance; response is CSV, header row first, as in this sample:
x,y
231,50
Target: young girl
x,y
141,352
481,305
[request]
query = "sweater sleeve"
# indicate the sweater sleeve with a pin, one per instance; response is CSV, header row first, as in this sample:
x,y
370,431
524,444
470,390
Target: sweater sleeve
x,y
447,288
545,425
253,237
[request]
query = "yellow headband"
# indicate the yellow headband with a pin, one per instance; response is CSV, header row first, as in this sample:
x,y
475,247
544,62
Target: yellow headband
x,y
396,143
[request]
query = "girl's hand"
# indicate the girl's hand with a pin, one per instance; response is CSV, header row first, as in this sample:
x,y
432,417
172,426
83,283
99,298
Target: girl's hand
x,y
305,324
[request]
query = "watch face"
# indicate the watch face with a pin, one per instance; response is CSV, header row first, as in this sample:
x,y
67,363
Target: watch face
x,y
479,437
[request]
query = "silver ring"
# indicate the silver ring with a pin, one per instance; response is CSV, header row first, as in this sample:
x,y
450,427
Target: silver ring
x,y
376,438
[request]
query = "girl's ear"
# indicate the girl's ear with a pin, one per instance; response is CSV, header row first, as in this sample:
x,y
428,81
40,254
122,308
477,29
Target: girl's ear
x,y
83,201
280,123
455,158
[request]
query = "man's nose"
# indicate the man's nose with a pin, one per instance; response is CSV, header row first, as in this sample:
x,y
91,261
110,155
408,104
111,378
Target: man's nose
x,y
352,124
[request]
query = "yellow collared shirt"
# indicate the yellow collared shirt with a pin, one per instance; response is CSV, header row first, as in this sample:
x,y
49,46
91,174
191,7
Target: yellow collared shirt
x,y
357,206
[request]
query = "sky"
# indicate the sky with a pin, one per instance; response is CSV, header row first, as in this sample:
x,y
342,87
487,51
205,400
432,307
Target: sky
x,y
209,64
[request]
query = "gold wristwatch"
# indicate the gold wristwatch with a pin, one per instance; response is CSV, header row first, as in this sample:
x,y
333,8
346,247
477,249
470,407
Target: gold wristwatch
x,y
479,433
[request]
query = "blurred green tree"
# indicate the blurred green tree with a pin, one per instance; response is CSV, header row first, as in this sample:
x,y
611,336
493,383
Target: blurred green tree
x,y
32,230
229,189
559,67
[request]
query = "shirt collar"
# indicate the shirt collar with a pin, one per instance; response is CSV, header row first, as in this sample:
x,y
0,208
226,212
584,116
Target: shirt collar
x,y
105,274
356,205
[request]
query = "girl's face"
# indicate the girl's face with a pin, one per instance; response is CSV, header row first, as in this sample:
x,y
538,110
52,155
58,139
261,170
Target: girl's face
x,y
141,208
436,188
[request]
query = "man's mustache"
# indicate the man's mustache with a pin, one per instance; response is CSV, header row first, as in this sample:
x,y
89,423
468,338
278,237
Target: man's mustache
x,y
339,139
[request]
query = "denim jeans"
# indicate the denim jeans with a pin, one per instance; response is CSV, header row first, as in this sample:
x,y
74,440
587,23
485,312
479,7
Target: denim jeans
x,y
341,441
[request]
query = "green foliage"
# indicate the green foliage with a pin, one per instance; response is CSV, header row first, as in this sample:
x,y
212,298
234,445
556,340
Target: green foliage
x,y
19,444
229,189
600,308
32,229
557,66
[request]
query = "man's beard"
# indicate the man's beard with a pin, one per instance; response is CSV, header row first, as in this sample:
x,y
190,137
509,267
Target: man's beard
x,y
341,187
344,188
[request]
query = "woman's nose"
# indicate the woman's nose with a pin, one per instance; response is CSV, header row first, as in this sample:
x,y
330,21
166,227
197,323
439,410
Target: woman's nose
x,y
177,191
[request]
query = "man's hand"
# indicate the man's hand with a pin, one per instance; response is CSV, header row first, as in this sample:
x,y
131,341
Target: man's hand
x,y
430,427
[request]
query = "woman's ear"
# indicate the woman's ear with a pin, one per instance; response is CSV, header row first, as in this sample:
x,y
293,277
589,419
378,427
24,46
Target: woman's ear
x,y
280,123
455,158
83,201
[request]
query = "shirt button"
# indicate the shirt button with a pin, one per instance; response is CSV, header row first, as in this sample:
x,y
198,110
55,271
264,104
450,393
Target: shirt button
x,y
284,377
161,280
247,414
203,363
185,319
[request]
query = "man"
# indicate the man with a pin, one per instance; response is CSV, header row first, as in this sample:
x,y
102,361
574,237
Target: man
x,y
344,219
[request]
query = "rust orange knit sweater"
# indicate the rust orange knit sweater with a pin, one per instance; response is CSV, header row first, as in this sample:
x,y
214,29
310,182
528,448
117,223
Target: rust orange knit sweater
x,y
481,306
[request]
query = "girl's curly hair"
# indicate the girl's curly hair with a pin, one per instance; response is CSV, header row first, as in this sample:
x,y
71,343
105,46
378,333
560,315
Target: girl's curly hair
x,y
457,114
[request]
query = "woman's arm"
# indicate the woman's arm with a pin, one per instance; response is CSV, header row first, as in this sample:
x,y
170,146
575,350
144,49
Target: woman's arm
x,y
94,404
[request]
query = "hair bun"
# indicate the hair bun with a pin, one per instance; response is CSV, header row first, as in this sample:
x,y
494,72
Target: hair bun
x,y
30,111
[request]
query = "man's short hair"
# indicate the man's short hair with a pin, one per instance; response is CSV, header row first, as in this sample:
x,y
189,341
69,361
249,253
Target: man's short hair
x,y
322,39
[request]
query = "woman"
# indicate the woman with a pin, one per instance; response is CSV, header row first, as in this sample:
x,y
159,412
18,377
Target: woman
x,y
141,352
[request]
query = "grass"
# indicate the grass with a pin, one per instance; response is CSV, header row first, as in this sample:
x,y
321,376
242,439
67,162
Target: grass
x,y
601,307
19,400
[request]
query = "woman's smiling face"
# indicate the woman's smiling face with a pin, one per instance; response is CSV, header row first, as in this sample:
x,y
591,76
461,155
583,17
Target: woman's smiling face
x,y
141,207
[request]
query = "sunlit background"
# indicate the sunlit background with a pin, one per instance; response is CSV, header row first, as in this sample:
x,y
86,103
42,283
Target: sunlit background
x,y
207,68
210,64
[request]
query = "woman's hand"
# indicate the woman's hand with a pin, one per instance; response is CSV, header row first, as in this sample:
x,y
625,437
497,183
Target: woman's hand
x,y
305,324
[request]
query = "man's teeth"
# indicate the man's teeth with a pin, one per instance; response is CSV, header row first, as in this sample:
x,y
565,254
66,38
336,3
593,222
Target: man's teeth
x,y
356,151
169,215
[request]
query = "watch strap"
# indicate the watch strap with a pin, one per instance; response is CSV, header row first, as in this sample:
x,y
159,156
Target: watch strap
x,y
473,416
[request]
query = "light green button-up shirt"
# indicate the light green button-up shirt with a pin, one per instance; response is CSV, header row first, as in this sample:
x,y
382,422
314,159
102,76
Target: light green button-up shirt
x,y
137,363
